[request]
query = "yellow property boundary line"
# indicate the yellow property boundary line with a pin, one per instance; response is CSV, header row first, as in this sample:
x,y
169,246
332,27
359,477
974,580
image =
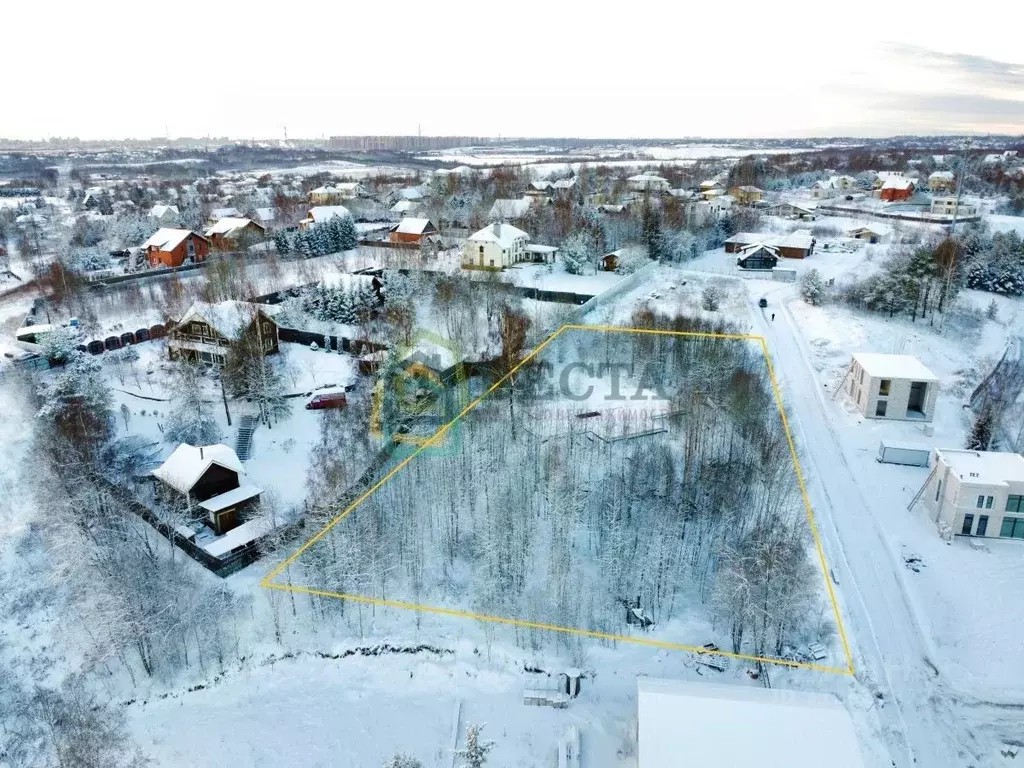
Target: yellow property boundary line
x,y
268,581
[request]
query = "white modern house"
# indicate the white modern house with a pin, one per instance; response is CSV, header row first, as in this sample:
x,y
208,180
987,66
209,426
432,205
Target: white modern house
x,y
895,387
682,724
947,206
976,493
496,246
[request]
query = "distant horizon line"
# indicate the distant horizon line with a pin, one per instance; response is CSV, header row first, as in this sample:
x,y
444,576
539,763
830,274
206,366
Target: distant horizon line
x,y
504,139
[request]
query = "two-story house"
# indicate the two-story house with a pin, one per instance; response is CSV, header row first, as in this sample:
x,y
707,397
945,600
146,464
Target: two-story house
x,y
976,493
206,333
173,247
496,246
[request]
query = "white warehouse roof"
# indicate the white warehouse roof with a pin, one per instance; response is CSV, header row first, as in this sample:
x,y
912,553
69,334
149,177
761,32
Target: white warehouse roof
x,y
984,467
882,366
741,726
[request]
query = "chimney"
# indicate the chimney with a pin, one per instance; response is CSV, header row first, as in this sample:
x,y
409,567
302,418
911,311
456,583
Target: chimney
x,y
497,229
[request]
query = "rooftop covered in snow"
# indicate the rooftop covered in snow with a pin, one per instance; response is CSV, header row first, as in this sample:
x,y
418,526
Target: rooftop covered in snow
x,y
983,467
882,366
168,238
228,318
187,463
741,726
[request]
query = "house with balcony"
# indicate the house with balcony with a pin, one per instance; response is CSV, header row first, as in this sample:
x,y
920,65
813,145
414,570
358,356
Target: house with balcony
x,y
207,332
976,493
496,246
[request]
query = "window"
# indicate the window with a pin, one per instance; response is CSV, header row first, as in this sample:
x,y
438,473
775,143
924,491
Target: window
x,y
880,407
968,525
981,502
861,376
883,387
938,490
988,502
1012,528
982,526
481,250
1015,503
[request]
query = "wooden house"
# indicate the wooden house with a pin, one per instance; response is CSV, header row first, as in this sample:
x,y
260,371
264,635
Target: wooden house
x,y
209,480
896,188
227,234
757,256
412,231
746,194
206,333
173,247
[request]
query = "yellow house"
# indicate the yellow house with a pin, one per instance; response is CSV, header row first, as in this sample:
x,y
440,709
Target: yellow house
x,y
747,194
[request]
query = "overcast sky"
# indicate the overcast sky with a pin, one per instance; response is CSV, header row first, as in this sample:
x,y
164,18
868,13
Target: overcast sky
x,y
112,69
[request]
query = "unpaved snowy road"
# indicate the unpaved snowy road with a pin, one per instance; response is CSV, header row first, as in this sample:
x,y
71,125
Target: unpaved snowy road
x,y
921,719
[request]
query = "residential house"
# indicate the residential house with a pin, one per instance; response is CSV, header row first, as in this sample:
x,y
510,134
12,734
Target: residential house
x,y
648,182
411,193
823,188
223,213
542,189
792,211
412,231
798,244
496,246
333,194
322,213
720,204
896,188
405,207
757,256
509,210
746,194
267,217
227,234
543,254
892,387
864,233
164,215
711,193
976,493
947,206
210,481
685,723
941,181
566,189
206,333
173,247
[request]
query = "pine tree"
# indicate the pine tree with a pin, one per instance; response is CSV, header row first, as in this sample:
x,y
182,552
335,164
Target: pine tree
x,y
349,235
981,432
190,419
474,754
403,761
282,243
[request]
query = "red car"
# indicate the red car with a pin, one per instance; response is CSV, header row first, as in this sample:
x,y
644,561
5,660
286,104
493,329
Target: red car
x,y
326,400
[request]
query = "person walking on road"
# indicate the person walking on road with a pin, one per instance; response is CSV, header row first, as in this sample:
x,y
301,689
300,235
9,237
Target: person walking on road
x,y
773,317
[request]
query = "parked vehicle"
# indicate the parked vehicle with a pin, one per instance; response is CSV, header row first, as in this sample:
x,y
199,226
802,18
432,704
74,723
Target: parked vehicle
x,y
326,400
127,338
141,335
762,302
889,453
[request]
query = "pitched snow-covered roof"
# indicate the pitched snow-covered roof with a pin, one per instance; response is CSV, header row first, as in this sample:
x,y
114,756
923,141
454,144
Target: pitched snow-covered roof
x,y
321,213
266,214
648,178
223,213
984,467
541,186
188,463
409,226
510,209
564,184
404,206
503,234
800,238
755,248
781,728
231,498
883,366
941,176
411,193
159,211
333,189
168,238
229,226
898,182
228,318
